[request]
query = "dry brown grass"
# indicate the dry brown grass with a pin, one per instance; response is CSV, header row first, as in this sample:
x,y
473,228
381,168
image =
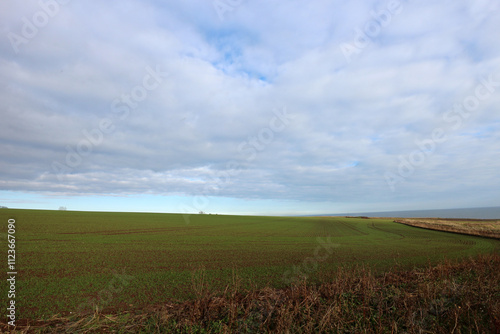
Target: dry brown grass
x,y
461,297
484,228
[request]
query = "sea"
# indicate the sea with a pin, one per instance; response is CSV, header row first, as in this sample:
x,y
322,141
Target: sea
x,y
471,213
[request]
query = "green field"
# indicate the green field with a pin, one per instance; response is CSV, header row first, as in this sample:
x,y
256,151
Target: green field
x,y
71,261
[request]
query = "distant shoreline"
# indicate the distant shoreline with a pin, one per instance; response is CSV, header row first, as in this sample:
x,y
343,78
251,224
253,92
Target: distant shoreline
x,y
464,213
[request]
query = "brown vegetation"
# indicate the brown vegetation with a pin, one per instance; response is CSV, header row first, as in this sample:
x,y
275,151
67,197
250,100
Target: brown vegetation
x,y
480,227
461,297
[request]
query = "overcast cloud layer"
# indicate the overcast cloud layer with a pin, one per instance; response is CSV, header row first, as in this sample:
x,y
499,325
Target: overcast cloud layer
x,y
368,105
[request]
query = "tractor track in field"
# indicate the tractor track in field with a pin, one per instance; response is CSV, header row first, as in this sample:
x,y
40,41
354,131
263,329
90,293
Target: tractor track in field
x,y
381,229
349,226
131,231
143,231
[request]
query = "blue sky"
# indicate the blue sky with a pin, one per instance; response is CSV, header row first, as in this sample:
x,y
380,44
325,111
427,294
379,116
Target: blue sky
x,y
249,107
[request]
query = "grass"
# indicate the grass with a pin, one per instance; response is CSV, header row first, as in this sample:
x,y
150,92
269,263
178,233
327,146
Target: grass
x,y
77,262
452,297
489,228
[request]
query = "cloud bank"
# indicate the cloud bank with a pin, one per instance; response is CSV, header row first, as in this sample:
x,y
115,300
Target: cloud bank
x,y
373,104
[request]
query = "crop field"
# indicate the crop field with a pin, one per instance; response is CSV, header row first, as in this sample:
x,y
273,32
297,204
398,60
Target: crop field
x,y
69,262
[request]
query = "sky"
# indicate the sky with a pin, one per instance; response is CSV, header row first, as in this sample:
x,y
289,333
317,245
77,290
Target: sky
x,y
249,107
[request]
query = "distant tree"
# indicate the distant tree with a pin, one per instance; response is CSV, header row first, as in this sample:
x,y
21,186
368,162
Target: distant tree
x,y
62,208
201,212
3,207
